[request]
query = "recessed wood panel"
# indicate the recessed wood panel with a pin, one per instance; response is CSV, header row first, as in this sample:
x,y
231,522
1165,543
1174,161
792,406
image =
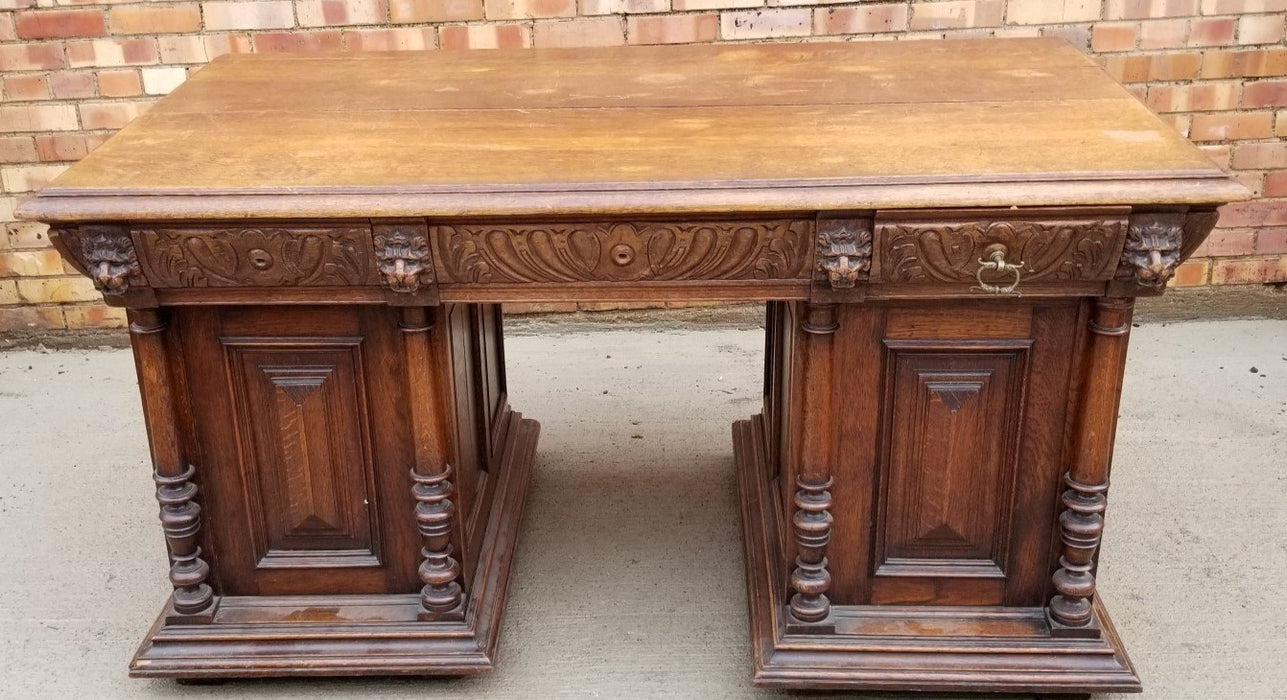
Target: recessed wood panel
x,y
953,417
303,431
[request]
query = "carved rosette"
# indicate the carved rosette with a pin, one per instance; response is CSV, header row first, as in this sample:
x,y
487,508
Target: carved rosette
x,y
108,257
435,514
844,252
812,525
403,259
1154,245
1080,528
181,521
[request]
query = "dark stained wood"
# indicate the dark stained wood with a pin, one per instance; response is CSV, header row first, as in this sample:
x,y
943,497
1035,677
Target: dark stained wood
x,y
1082,523
176,489
901,647
953,423
313,249
812,518
436,513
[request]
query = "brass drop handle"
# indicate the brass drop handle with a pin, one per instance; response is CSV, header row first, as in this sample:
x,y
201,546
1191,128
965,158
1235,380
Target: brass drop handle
x,y
997,263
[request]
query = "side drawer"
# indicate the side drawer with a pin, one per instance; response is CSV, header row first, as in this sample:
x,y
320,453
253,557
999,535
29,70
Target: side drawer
x,y
323,255
998,249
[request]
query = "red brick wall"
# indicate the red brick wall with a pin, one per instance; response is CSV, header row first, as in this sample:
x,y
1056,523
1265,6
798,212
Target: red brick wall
x,y
73,73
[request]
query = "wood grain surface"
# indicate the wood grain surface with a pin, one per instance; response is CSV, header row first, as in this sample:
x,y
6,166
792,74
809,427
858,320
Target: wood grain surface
x,y
639,129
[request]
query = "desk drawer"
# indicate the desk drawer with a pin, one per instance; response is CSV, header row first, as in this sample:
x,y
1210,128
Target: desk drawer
x,y
998,248
623,252
324,255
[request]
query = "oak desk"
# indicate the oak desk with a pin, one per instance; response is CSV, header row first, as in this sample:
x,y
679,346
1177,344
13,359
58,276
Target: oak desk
x,y
312,251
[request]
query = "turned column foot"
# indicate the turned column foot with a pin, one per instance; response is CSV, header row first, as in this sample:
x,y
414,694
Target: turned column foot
x,y
810,579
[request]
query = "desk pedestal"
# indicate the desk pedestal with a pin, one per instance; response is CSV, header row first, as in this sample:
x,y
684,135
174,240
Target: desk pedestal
x,y
905,501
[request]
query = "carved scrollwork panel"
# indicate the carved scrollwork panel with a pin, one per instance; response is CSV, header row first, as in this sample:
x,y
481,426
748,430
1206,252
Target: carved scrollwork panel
x,y
624,252
258,256
1052,249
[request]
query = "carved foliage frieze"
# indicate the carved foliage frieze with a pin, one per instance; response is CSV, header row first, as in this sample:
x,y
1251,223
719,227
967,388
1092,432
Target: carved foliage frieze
x,y
844,252
257,256
1063,249
625,252
1154,248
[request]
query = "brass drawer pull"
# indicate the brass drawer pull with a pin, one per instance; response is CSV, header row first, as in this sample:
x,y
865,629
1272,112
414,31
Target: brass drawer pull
x,y
997,262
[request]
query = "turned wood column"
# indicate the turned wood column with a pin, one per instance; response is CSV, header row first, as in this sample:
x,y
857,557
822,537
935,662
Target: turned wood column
x,y
431,475
812,521
1082,523
193,599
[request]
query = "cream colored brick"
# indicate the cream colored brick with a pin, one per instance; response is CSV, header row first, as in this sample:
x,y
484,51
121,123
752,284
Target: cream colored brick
x,y
56,291
409,11
1052,11
1230,7
276,14
8,292
29,178
714,4
334,13
182,49
589,31
1163,34
526,9
220,44
619,7
161,81
31,263
1260,29
866,19
399,39
959,14
1149,9
37,117
7,205
764,24
21,235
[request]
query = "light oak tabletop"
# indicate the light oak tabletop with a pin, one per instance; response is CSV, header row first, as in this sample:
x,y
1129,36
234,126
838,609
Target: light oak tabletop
x,y
725,127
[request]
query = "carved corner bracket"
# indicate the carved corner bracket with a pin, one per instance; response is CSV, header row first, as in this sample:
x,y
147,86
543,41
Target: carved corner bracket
x,y
1154,249
844,252
403,258
105,254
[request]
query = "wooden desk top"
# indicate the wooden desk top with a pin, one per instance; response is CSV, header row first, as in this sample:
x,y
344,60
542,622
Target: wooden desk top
x,y
733,127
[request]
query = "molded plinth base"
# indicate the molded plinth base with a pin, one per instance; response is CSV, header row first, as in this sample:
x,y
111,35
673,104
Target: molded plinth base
x,y
905,647
349,635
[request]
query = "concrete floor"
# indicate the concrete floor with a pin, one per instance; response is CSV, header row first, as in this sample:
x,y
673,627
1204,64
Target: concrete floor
x,y
629,579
